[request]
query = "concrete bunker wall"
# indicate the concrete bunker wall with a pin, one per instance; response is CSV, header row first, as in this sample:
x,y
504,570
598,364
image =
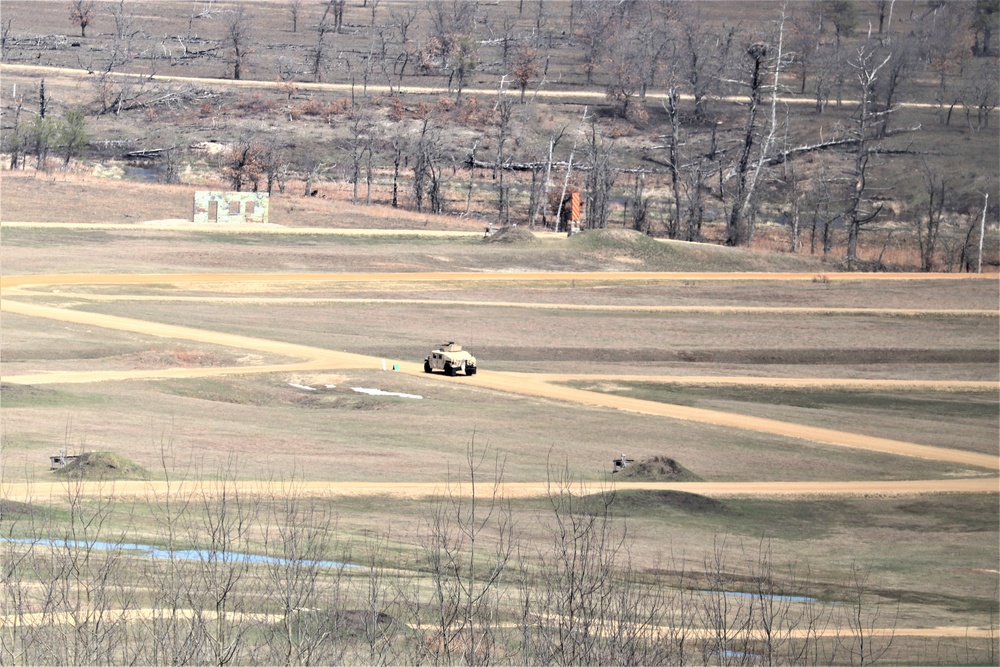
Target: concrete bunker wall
x,y
230,207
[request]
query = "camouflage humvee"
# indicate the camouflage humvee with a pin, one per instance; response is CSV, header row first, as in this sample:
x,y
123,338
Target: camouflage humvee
x,y
451,358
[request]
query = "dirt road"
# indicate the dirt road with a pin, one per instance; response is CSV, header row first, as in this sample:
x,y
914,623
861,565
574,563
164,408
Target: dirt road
x,y
314,359
138,614
576,94
54,491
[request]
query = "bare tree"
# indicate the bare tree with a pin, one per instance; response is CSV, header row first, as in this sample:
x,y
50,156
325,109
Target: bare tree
x,y
738,229
398,144
985,22
637,204
402,20
80,14
297,538
593,31
383,592
470,537
294,8
674,160
705,55
119,89
892,82
173,639
5,27
452,25
927,232
244,162
338,14
360,143
525,68
844,16
601,177
626,68
636,39
503,111
945,45
979,97
866,643
15,140
319,56
753,177
542,198
803,42
427,168
867,66
239,39
587,549
822,216
462,62
227,517
273,164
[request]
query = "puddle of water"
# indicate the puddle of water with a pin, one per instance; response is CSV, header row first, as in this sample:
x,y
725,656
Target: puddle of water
x,y
358,390
379,392
737,654
146,172
790,598
205,555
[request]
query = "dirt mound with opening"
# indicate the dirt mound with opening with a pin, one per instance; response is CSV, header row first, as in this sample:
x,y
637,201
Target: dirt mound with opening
x,y
102,465
518,235
657,469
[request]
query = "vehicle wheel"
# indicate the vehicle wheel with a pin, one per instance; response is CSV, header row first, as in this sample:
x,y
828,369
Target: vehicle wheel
x,y
448,368
470,370
427,366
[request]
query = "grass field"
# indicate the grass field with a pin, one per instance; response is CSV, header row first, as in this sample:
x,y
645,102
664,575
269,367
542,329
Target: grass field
x,y
931,559
830,494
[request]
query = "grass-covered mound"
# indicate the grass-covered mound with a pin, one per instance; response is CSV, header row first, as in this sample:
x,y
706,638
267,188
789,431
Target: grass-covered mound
x,y
642,503
620,242
102,465
13,509
640,251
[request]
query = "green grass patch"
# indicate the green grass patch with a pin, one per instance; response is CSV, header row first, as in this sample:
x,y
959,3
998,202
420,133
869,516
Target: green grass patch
x,y
966,404
341,239
803,519
799,520
30,396
40,237
952,513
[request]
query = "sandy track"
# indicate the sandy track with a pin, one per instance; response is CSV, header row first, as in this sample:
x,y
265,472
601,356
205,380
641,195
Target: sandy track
x,y
614,308
597,95
137,614
520,383
464,276
780,382
146,613
55,491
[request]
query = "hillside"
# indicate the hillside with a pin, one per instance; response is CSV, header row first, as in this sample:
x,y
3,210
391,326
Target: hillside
x,y
487,112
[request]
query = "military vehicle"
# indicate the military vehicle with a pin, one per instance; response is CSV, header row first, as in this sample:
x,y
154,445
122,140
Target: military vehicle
x,y
450,358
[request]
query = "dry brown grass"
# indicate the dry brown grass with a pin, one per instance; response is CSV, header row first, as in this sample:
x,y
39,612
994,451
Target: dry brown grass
x,y
936,565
